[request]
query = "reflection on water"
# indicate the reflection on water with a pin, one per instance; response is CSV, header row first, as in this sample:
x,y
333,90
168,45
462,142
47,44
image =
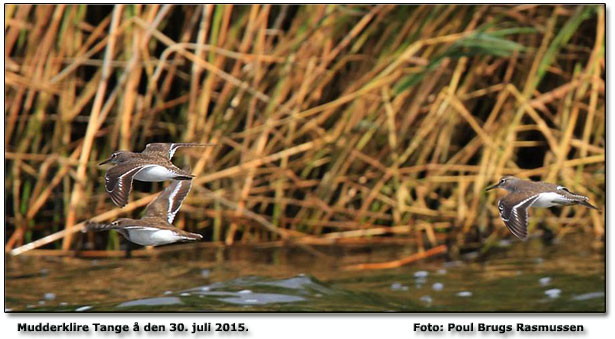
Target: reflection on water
x,y
566,276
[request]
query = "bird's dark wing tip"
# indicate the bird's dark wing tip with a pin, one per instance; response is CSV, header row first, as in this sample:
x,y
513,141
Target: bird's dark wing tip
x,y
117,199
519,231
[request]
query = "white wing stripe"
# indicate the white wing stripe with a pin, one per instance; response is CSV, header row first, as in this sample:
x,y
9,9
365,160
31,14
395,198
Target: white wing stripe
x,y
524,201
172,150
170,212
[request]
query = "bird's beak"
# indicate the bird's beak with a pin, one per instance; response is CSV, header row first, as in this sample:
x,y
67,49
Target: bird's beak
x,y
104,162
492,187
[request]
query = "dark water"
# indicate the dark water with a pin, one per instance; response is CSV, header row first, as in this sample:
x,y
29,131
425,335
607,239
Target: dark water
x,y
566,276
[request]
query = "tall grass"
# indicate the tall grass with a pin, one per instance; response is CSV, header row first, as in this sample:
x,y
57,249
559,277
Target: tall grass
x,y
334,123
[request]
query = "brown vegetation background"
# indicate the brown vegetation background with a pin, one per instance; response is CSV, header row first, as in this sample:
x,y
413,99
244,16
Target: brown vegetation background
x,y
334,123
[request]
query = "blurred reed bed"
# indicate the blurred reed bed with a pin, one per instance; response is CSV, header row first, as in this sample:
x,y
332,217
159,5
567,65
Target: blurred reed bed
x,y
335,124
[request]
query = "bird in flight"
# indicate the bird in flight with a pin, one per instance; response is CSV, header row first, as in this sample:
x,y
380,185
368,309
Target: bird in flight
x,y
524,194
153,164
155,227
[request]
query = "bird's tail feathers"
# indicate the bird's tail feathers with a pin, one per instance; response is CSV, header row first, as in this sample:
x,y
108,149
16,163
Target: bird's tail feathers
x,y
187,236
587,204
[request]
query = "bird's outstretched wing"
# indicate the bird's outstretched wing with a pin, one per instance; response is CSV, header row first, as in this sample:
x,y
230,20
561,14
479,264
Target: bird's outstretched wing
x,y
118,181
168,202
158,148
513,212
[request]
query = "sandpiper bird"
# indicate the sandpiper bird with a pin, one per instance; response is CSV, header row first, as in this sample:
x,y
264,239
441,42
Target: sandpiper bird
x,y
153,164
155,227
524,194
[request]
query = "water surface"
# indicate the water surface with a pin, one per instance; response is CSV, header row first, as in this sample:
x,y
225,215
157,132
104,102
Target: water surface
x,y
568,275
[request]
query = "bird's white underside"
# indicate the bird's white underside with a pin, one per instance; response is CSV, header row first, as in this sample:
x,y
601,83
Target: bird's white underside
x,y
155,173
550,199
153,236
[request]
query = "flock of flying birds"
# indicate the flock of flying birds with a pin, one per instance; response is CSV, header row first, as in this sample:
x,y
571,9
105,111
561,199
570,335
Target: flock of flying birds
x,y
155,227
153,164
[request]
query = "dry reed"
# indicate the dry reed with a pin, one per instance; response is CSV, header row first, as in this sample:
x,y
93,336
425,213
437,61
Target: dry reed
x,y
334,122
